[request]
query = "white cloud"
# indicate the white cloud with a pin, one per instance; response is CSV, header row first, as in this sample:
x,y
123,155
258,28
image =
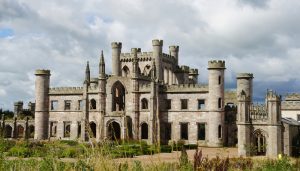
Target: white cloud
x,y
259,36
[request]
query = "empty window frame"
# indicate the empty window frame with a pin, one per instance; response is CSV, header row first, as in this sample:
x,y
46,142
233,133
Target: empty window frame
x,y
67,104
184,131
54,105
201,104
201,131
144,103
80,104
168,104
67,129
219,103
184,103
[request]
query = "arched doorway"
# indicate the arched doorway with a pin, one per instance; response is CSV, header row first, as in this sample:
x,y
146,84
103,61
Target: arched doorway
x,y
8,131
93,128
144,131
118,97
20,130
114,131
259,143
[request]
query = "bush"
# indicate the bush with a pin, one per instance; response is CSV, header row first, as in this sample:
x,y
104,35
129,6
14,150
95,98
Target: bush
x,y
165,149
18,151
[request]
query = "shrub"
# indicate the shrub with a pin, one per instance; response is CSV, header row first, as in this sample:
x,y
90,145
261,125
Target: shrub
x,y
18,151
165,149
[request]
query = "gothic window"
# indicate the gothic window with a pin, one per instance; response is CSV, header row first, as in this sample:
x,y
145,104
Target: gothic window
x,y
144,131
118,97
168,103
144,103
201,131
201,104
93,129
184,103
147,70
54,104
125,71
220,131
93,104
67,129
20,130
184,131
67,104
8,131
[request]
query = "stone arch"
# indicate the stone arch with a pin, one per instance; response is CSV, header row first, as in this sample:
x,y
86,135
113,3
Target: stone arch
x,y
113,130
31,131
125,71
8,131
259,140
93,128
144,103
118,96
20,131
144,130
93,104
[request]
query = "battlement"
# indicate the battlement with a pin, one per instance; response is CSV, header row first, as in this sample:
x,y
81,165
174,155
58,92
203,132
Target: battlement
x,y
185,68
193,71
186,88
66,90
244,75
116,44
157,42
216,64
135,50
174,48
42,72
292,97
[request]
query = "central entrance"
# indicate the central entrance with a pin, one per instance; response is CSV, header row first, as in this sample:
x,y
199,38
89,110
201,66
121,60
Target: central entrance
x,y
114,131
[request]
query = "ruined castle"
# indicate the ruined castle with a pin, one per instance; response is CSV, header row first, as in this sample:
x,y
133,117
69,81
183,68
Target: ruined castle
x,y
149,96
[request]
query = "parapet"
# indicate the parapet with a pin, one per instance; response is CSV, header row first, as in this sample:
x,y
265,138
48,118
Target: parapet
x,y
157,42
185,68
65,90
193,71
116,44
292,97
42,72
244,75
135,50
173,48
216,64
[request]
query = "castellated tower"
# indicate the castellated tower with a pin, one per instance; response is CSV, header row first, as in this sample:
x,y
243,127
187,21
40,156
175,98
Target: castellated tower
x,y
274,143
157,52
174,52
216,102
116,52
41,120
244,97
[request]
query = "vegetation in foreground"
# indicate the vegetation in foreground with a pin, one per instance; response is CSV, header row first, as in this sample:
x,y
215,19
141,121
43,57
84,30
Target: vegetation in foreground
x,y
71,155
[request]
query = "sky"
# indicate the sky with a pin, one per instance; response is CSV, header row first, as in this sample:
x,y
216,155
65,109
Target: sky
x,y
256,36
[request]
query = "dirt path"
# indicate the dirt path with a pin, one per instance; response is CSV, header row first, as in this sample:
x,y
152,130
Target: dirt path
x,y
174,156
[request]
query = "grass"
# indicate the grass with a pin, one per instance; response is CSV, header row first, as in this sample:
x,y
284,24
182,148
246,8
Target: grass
x,y
71,155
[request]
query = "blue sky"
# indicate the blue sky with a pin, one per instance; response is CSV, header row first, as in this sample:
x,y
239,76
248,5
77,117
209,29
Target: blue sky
x,y
257,36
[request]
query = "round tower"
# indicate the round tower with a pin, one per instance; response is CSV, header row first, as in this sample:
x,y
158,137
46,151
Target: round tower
x,y
174,52
244,83
116,52
157,52
216,102
41,119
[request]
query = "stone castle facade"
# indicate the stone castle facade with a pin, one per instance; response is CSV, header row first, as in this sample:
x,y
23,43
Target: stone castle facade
x,y
149,97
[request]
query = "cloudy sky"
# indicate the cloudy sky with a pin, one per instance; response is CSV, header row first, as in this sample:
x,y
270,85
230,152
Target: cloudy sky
x,y
258,36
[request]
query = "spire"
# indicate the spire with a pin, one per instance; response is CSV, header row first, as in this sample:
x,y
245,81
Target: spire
x,y
135,62
102,66
87,73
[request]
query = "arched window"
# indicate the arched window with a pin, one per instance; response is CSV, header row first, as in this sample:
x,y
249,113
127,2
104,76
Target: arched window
x,y
67,129
144,103
93,104
93,129
114,131
125,71
219,103
144,132
147,70
220,131
118,97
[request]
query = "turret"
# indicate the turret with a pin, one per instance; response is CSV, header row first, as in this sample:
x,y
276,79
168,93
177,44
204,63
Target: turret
x,y
87,74
135,63
274,107
157,52
41,119
116,52
244,83
174,52
216,102
102,95
18,108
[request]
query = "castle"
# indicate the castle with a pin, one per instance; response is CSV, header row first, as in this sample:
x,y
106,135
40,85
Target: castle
x,y
149,97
